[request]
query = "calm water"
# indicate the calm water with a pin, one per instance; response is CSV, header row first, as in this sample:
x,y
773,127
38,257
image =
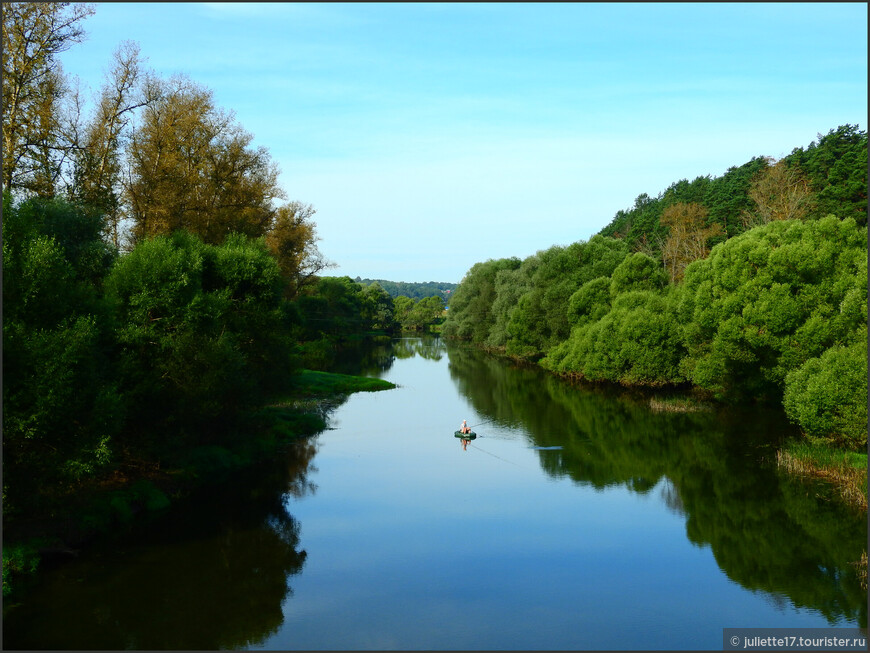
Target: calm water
x,y
578,519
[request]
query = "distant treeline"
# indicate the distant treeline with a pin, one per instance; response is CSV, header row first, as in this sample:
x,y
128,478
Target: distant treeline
x,y
413,290
750,286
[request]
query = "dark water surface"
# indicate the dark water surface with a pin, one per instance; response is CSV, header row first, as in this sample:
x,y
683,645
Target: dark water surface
x,y
578,519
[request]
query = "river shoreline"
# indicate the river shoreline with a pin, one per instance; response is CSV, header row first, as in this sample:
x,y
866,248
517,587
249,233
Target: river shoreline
x,y
798,457
136,488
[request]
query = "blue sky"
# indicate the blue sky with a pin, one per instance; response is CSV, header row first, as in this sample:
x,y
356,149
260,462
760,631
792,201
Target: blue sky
x,y
433,136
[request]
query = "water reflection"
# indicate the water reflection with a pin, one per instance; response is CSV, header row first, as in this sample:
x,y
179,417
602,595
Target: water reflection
x,y
212,574
375,359
428,347
767,532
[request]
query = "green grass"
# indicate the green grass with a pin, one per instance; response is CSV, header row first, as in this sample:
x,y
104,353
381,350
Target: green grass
x,y
824,455
309,383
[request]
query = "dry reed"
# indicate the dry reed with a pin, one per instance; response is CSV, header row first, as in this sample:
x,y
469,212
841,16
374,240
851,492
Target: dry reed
x,y
681,405
861,570
850,482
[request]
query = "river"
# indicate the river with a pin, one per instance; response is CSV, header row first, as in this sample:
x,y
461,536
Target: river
x,y
579,518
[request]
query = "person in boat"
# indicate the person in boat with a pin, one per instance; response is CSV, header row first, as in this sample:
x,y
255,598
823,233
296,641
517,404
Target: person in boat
x,y
464,428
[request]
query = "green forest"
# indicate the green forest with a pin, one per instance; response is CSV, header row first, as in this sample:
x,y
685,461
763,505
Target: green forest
x,y
160,293
751,286
411,289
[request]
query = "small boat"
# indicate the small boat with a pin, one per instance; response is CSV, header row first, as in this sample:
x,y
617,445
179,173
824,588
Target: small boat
x,y
465,436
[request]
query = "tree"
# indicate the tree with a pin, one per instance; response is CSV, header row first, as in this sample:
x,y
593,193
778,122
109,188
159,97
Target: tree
x,y
34,86
424,313
98,152
377,308
688,236
780,192
836,166
638,342
541,318
591,302
510,285
637,272
200,332
193,167
639,224
470,316
292,240
402,307
727,197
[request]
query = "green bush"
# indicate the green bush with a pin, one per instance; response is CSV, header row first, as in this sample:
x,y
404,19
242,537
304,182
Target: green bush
x,y
202,332
637,343
61,408
827,395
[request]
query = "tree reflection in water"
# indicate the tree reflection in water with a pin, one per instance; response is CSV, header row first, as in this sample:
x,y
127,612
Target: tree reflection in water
x,y
767,531
212,574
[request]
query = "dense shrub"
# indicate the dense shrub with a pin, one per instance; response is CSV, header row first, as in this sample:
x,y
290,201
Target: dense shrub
x,y
827,395
637,343
60,406
200,329
767,301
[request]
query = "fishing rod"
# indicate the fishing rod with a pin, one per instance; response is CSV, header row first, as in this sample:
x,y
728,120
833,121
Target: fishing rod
x,y
482,423
494,456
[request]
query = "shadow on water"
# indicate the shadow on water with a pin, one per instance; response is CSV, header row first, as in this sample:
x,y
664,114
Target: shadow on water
x,y
211,574
768,532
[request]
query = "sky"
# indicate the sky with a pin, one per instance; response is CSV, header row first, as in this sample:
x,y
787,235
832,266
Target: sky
x,y
430,137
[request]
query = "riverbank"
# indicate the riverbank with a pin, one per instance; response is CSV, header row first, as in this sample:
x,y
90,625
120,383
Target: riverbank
x,y
846,471
134,488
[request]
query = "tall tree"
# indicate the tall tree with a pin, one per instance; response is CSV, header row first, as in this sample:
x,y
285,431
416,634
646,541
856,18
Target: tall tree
x,y
836,166
780,192
688,236
192,167
34,87
292,240
765,302
98,155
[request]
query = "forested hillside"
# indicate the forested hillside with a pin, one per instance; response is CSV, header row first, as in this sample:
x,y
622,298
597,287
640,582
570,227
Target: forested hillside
x,y
827,177
750,286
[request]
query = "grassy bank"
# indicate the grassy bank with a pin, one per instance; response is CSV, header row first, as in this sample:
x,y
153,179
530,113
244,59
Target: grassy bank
x,y
309,383
136,488
845,470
